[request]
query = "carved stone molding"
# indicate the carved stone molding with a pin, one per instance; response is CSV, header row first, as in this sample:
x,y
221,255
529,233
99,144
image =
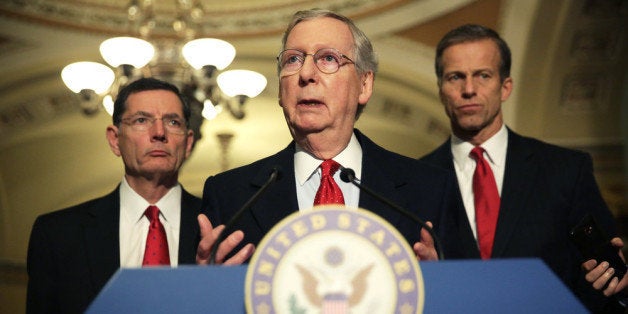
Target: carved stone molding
x,y
228,18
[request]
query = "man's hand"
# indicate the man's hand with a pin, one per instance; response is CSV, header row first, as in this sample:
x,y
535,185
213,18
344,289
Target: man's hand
x,y
209,235
600,274
425,250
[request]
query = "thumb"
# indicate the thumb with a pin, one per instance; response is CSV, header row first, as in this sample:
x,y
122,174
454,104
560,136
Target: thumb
x,y
426,237
205,225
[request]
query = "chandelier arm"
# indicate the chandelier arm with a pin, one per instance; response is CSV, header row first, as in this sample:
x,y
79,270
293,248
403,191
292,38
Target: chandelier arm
x,y
89,102
127,70
209,71
237,109
190,63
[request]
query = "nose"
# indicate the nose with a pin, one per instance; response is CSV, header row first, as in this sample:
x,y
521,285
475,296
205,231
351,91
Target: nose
x,y
309,70
468,89
157,130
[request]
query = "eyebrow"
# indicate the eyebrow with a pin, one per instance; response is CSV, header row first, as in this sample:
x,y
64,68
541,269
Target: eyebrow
x,y
147,114
489,70
142,113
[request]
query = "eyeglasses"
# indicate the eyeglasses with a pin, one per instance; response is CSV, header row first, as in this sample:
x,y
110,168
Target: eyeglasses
x,y
172,125
327,60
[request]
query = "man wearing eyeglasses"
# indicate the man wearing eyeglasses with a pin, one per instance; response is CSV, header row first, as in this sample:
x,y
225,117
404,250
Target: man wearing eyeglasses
x,y
73,252
326,73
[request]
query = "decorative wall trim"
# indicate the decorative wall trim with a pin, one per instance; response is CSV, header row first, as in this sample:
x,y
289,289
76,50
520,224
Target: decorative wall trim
x,y
225,19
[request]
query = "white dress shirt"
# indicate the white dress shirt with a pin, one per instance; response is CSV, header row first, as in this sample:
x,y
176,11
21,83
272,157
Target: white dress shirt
x,y
307,173
134,224
494,153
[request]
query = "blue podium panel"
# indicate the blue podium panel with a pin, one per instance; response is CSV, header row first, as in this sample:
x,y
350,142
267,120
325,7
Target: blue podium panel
x,y
185,289
473,286
495,286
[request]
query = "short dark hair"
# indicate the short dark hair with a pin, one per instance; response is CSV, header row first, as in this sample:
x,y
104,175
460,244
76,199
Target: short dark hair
x,y
146,84
473,32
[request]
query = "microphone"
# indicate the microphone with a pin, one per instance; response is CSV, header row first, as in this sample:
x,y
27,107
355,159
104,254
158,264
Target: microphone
x,y
275,174
348,175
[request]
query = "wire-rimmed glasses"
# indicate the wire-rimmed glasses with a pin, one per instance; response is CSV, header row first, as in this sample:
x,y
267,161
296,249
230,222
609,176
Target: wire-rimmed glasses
x,y
327,60
141,123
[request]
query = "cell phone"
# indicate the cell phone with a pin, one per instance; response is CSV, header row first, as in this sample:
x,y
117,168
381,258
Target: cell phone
x,y
594,244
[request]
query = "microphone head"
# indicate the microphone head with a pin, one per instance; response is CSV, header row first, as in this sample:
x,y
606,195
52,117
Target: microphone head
x,y
278,171
347,174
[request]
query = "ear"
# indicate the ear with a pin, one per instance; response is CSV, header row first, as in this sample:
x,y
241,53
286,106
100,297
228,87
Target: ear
x,y
112,138
366,88
506,88
279,91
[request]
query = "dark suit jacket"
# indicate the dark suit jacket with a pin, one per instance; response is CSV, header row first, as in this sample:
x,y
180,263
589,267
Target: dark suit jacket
x,y
546,191
424,190
73,252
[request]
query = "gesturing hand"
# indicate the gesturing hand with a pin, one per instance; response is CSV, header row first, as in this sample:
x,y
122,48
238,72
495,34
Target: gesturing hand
x,y
209,235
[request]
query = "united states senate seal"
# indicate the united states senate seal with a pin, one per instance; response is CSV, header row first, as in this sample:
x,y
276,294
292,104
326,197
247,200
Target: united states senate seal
x,y
334,259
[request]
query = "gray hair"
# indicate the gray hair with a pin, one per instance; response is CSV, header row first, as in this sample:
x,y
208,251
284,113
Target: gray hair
x,y
365,58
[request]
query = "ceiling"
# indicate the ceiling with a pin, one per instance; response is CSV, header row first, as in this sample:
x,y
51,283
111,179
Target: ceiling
x,y
569,88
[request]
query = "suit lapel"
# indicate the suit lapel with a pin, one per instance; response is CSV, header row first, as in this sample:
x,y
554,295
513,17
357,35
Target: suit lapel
x,y
442,157
458,222
189,233
516,188
374,177
102,238
280,199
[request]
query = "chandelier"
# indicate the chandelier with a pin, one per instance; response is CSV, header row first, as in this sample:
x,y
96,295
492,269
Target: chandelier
x,y
190,63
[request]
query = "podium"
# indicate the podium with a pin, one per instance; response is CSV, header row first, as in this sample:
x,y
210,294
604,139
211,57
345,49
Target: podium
x,y
465,286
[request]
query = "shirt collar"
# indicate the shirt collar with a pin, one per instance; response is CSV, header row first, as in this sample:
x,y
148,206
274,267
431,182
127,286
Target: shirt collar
x,y
133,205
305,165
495,148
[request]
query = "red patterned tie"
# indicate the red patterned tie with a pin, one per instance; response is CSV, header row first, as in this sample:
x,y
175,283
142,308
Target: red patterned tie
x,y
329,192
486,199
156,252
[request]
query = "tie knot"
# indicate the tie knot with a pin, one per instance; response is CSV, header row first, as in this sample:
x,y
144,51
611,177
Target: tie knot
x,y
329,167
477,153
152,212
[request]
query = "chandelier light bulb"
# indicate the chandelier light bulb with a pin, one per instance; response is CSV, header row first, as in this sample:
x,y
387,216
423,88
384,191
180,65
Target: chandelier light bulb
x,y
209,110
241,82
127,50
133,57
107,103
208,51
86,75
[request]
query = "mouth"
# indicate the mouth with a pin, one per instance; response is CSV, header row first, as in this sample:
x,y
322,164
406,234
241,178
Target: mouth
x,y
310,102
469,107
158,153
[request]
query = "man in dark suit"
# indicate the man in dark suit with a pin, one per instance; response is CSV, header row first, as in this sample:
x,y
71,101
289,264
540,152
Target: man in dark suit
x,y
389,174
321,98
73,252
544,190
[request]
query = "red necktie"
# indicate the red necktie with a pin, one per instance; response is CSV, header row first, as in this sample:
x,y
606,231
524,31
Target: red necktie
x,y
486,199
329,192
156,252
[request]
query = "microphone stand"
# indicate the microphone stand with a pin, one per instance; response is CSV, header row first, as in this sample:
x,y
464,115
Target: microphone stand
x,y
274,176
348,175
